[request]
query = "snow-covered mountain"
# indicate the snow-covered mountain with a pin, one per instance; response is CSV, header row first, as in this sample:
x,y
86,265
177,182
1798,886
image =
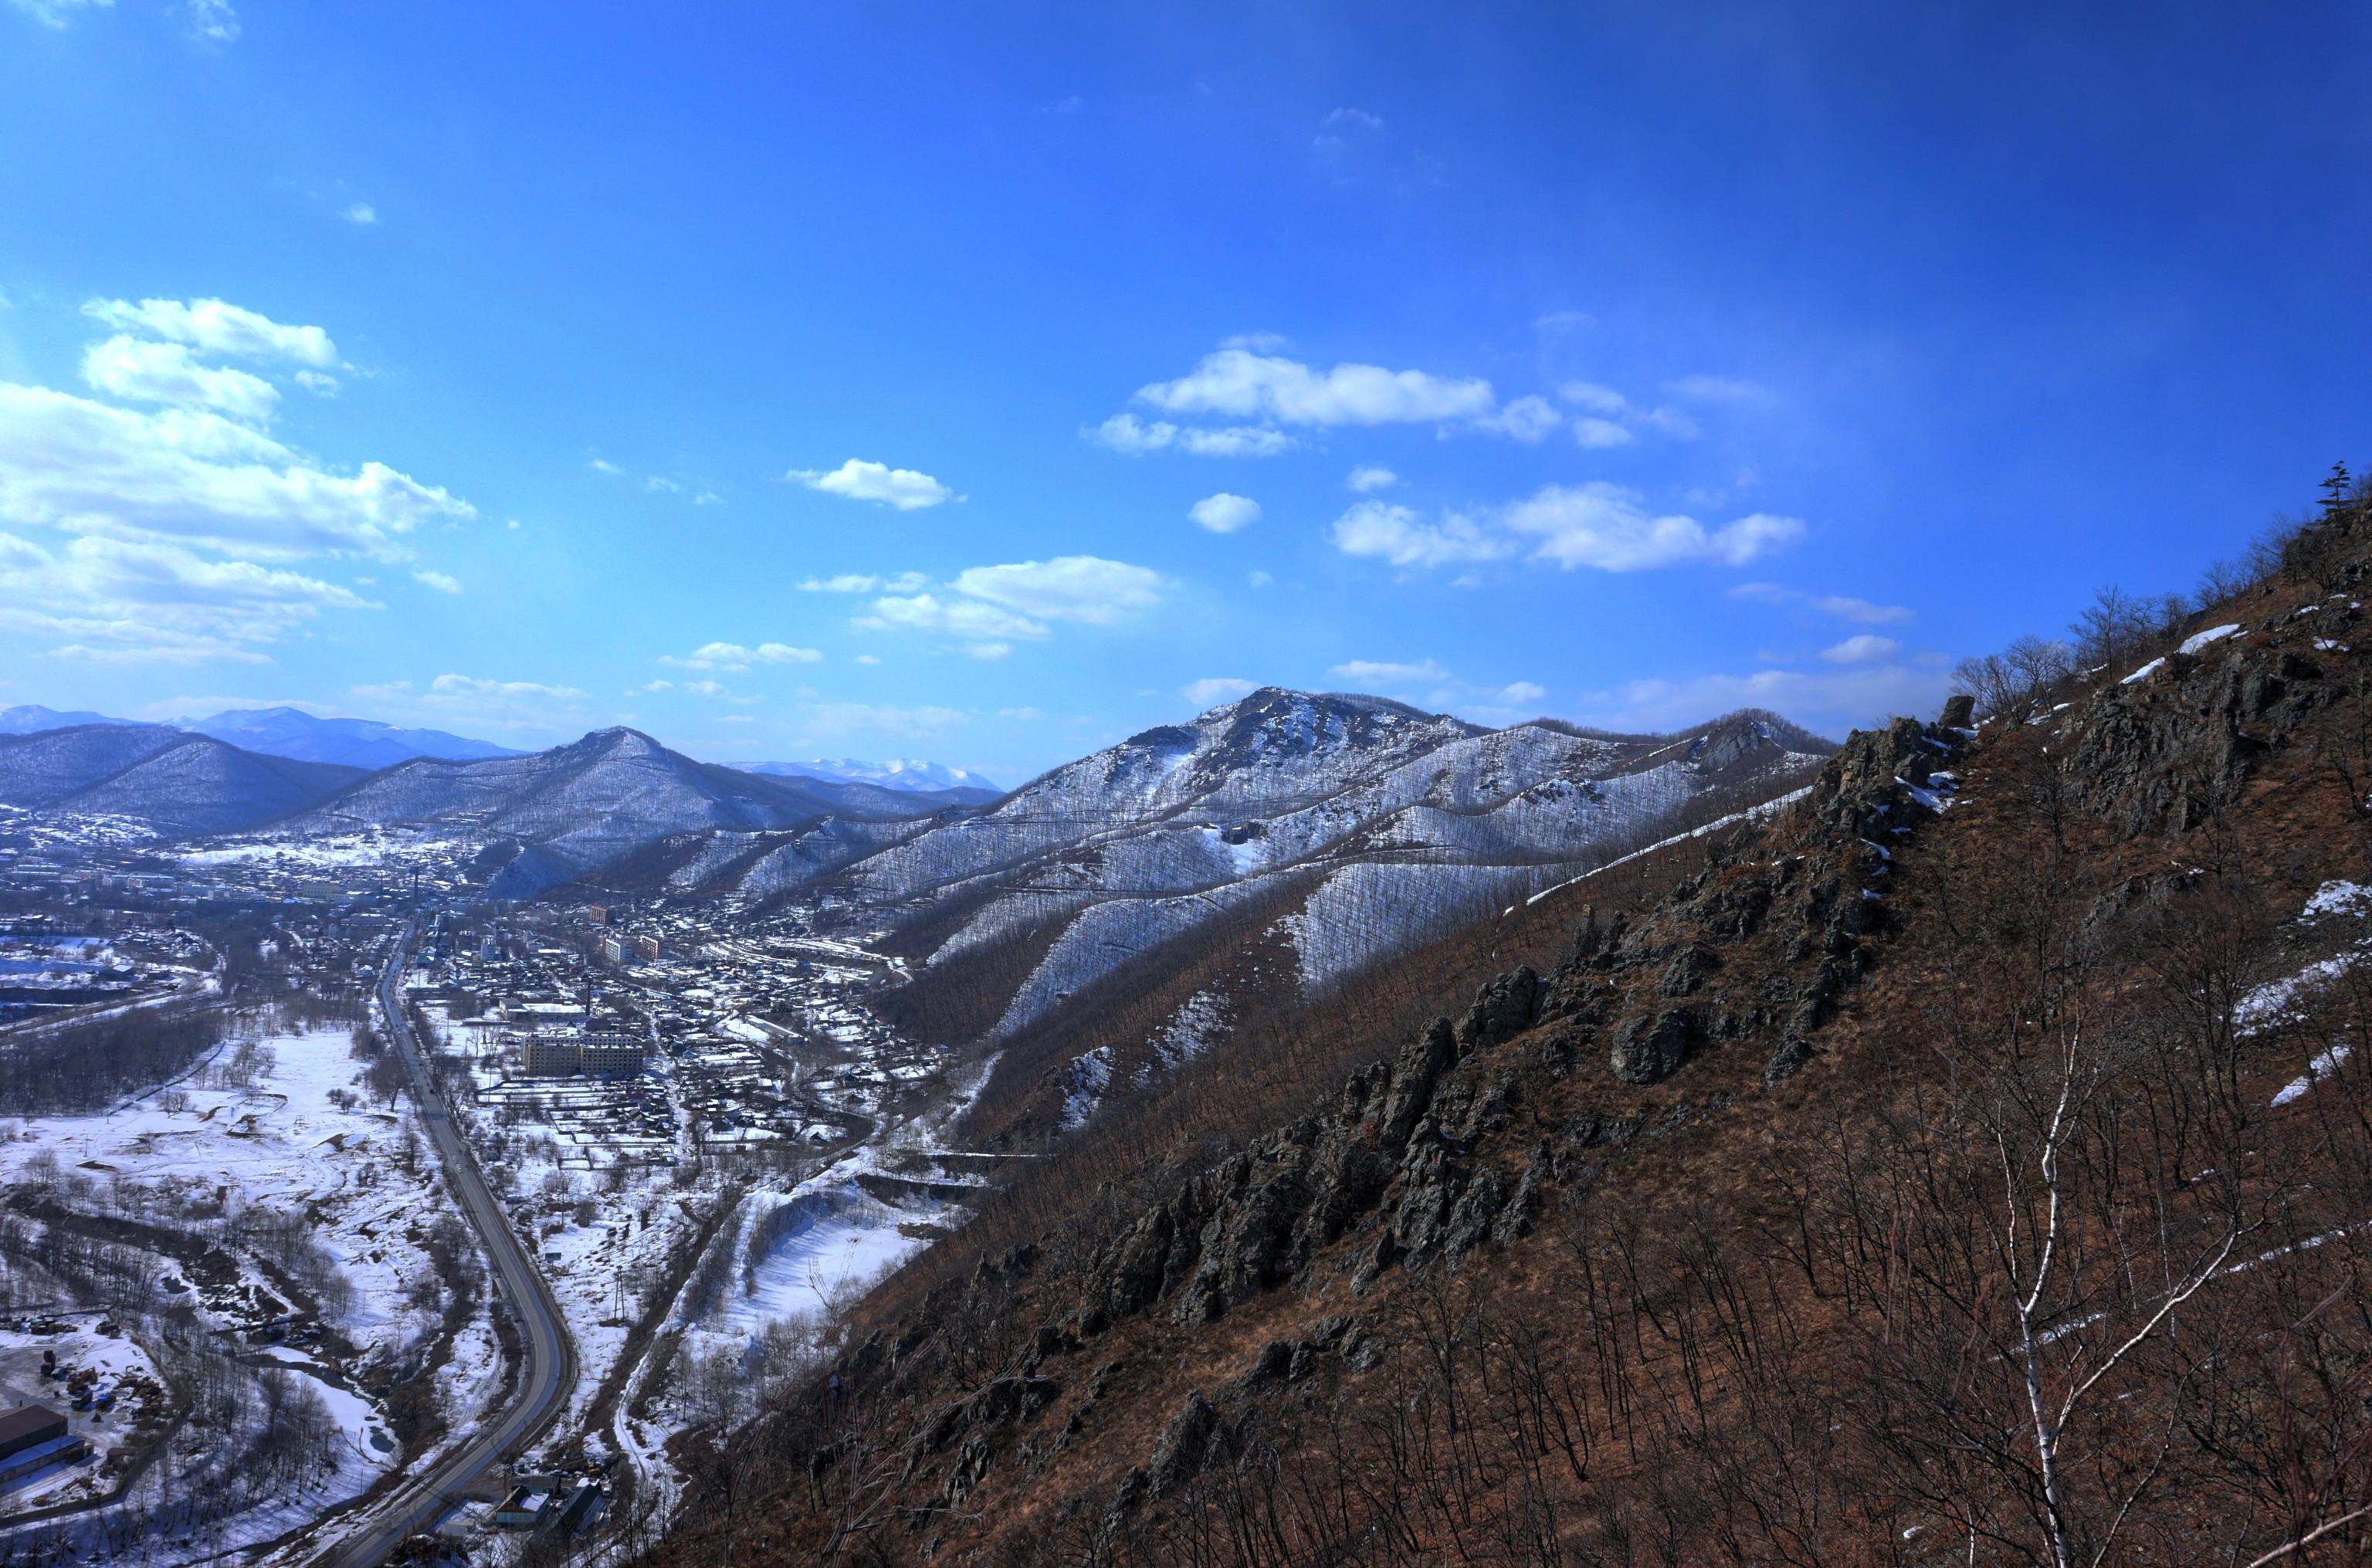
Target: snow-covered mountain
x,y
168,779
1374,820
906,773
357,743
560,813
31,718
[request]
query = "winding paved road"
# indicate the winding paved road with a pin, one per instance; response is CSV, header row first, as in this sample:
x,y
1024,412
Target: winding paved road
x,y
550,1371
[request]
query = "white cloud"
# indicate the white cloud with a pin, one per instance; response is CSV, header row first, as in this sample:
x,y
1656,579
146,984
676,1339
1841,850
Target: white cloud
x,y
361,214
1604,525
1259,580
1596,525
1399,536
1215,689
469,686
1126,433
1719,389
734,657
704,687
1224,512
651,686
198,479
214,20
439,581
988,650
1238,383
1354,119
866,658
1367,672
54,13
1866,648
1368,478
1595,398
1521,693
1859,610
959,618
603,465
217,328
321,385
1524,419
848,582
1069,588
168,372
1597,434
147,601
860,481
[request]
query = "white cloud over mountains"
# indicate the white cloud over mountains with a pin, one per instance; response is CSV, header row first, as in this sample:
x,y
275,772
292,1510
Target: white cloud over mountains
x,y
1238,383
1069,587
198,479
1212,691
181,521
990,608
1598,525
734,657
1126,433
860,481
1245,378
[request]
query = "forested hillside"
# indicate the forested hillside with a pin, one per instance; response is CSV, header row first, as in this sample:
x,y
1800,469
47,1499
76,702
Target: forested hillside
x,y
1968,1162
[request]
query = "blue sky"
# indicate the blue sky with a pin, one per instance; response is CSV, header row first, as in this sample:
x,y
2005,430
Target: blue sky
x,y
987,384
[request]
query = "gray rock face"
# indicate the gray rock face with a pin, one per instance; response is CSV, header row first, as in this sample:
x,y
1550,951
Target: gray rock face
x,y
1177,1453
1505,1008
1787,1060
1695,965
1649,1048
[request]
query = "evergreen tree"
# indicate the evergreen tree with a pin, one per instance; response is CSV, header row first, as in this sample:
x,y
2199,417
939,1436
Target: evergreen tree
x,y
2337,490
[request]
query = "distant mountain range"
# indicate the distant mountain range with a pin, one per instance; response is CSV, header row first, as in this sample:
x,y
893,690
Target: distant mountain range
x,y
354,743
170,780
281,732
32,718
895,773
543,818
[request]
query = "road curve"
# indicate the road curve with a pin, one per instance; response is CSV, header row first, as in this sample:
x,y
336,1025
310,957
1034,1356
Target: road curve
x,y
550,1371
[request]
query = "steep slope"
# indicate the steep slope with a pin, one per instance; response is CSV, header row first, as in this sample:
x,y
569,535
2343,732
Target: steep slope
x,y
166,779
354,743
1965,1163
582,805
1364,826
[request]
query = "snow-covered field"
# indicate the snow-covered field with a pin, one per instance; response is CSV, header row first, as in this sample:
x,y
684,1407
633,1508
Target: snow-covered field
x,y
301,1192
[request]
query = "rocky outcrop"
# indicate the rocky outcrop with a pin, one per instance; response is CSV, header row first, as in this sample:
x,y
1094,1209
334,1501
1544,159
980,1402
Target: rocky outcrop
x,y
1648,1048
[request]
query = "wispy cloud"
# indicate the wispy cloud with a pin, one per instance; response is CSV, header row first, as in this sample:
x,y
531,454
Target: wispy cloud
x,y
734,657
1596,525
1859,610
1126,433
